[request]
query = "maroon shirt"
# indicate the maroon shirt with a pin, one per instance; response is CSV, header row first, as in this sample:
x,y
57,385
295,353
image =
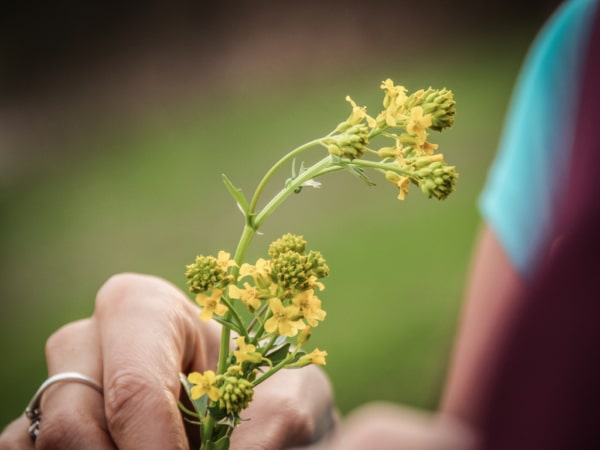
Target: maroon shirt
x,y
545,389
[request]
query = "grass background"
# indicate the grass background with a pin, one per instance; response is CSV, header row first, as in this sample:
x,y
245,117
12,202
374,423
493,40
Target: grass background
x,y
146,196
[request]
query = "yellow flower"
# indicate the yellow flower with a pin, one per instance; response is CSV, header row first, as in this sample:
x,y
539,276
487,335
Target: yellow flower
x,y
246,352
211,304
315,357
358,112
418,123
224,261
400,181
250,295
260,272
395,96
285,319
309,306
204,384
429,148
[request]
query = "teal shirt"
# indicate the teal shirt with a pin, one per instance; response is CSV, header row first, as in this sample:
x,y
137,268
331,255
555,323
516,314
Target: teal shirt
x,y
528,176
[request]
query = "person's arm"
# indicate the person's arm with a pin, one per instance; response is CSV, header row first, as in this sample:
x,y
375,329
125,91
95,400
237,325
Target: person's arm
x,y
491,293
143,332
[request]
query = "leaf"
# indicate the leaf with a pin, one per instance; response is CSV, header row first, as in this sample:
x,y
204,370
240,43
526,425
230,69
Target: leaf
x,y
237,195
217,413
279,354
198,404
298,355
360,174
227,323
221,444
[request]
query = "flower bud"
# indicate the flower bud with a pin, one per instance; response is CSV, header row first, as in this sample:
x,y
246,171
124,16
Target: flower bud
x,y
318,266
235,394
441,105
206,272
287,242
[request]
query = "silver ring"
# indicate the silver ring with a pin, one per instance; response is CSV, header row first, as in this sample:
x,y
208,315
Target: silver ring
x,y
33,411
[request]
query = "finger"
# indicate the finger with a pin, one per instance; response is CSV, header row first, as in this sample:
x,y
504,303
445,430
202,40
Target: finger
x,y
73,413
150,332
15,436
285,413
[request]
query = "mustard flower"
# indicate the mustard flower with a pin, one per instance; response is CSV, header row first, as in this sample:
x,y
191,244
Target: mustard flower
x,y
400,181
211,304
204,384
260,272
249,296
358,112
418,123
315,357
285,319
309,306
246,352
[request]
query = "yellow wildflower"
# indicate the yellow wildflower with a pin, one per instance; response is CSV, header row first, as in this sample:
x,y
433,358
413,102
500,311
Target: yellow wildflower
x,y
400,181
395,96
358,112
429,148
204,384
224,260
250,295
246,352
315,357
260,272
418,123
211,304
285,319
309,307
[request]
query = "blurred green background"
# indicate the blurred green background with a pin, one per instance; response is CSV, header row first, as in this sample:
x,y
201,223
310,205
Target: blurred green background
x,y
112,160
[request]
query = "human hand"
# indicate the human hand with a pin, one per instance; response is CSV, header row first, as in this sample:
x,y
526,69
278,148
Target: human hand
x,y
143,332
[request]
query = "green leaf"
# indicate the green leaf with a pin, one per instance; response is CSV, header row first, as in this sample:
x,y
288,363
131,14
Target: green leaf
x,y
228,323
278,355
198,404
217,413
360,174
237,195
221,444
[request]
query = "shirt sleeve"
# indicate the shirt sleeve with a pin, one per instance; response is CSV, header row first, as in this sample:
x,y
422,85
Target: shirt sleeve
x,y
519,199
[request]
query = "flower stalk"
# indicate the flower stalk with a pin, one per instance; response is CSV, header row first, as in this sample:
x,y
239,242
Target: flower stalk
x,y
281,294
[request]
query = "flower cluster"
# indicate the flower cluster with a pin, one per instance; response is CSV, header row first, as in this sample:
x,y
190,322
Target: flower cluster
x,y
405,119
279,294
267,309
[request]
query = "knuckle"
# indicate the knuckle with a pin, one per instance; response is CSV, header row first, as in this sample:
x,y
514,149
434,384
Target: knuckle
x,y
116,287
128,287
65,335
128,393
68,429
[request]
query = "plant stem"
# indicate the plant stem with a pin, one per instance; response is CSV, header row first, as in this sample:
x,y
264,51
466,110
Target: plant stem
x,y
275,168
312,172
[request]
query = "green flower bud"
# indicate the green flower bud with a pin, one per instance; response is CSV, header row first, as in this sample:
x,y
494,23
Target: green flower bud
x,y
292,270
287,242
206,272
440,184
350,143
318,266
235,394
441,105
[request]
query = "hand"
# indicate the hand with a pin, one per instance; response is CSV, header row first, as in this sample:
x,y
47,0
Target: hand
x,y
143,332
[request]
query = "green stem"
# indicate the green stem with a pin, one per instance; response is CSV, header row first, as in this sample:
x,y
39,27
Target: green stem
x,y
236,316
312,172
273,371
275,168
